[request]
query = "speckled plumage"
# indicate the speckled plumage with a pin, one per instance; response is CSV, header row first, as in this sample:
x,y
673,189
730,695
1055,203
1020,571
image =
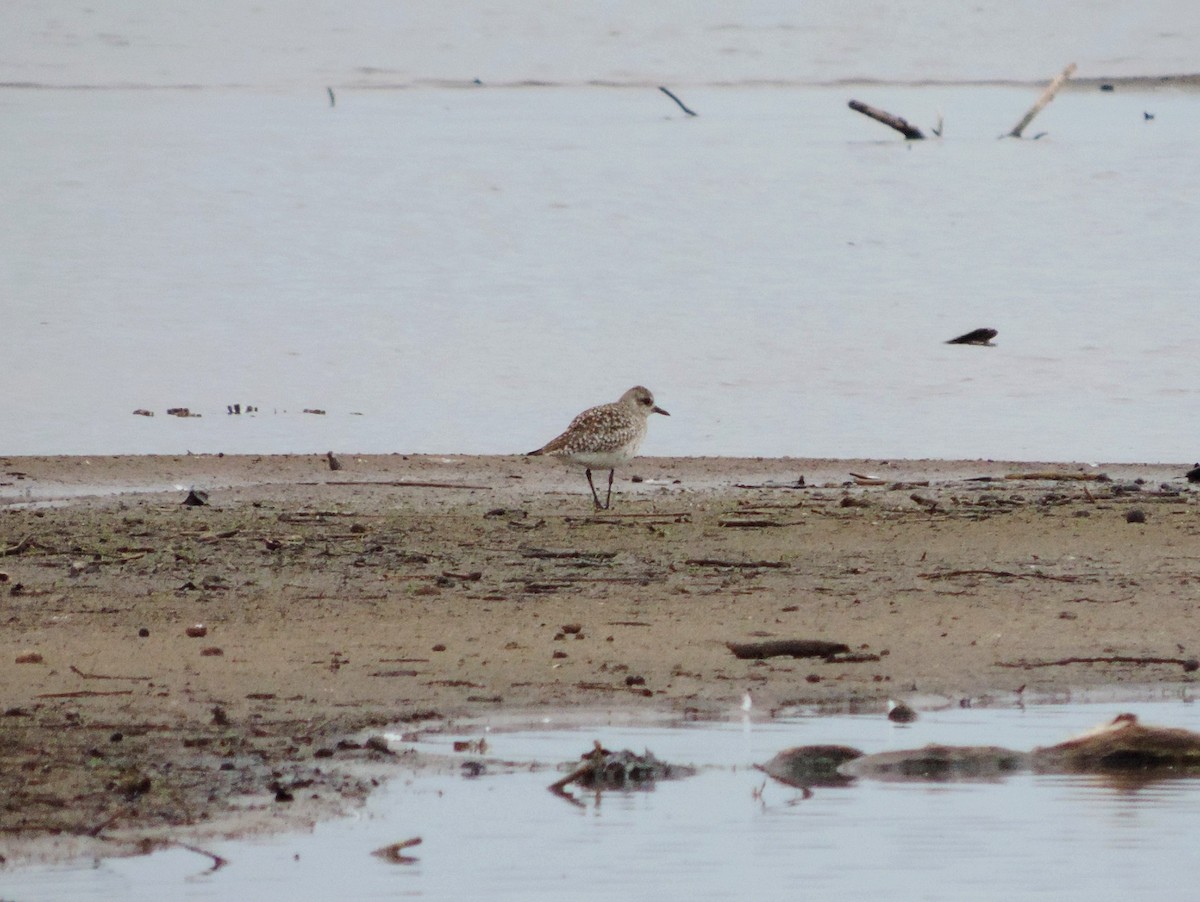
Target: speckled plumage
x,y
606,436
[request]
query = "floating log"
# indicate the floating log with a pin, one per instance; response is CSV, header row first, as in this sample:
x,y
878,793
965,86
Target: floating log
x,y
911,132
1046,97
787,648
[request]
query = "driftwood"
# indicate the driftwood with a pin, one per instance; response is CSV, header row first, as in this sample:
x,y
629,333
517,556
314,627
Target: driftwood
x,y
682,106
1046,97
394,853
787,648
911,132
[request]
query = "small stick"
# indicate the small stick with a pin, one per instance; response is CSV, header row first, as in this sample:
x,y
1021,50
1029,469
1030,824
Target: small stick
x,y
911,132
1046,97
22,545
100,676
1188,664
332,99
401,483
677,100
83,693
217,860
999,574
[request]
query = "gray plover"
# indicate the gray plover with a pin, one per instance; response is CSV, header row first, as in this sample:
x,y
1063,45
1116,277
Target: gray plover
x,y
605,437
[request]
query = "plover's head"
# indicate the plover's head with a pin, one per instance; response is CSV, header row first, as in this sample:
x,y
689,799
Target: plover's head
x,y
640,399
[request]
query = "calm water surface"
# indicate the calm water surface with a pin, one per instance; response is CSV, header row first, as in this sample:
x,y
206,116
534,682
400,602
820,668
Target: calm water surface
x,y
443,267
504,836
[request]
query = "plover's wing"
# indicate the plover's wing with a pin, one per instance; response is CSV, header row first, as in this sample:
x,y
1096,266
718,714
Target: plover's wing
x,y
601,429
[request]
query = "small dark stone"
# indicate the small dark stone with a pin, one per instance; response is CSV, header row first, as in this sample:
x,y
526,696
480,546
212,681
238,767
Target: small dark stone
x,y
635,681
116,737
377,744
1137,515
196,498
898,712
143,633
975,337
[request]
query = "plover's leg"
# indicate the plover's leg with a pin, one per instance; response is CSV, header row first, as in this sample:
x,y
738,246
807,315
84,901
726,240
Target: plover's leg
x,y
608,498
595,495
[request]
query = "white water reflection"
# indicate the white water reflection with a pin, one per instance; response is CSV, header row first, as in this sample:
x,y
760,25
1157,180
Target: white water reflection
x,y
503,836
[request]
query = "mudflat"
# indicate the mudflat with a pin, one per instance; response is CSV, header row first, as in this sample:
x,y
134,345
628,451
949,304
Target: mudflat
x,y
173,670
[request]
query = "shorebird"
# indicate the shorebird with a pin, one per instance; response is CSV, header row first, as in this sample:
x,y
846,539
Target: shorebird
x,y
605,437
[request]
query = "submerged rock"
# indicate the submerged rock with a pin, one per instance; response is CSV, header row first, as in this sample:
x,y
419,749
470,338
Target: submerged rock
x,y
603,769
1123,745
811,765
939,762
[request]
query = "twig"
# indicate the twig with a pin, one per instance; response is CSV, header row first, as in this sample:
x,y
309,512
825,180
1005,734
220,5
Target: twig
x,y
1188,664
217,860
1046,97
1050,476
911,132
678,101
1002,574
99,676
83,693
716,562
23,545
400,483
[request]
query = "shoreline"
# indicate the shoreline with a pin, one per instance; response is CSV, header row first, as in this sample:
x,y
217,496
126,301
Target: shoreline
x,y
425,589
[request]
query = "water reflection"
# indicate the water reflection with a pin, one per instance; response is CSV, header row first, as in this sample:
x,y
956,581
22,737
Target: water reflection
x,y
724,832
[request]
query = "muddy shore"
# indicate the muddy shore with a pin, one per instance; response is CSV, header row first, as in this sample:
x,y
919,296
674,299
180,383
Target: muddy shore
x,y
172,672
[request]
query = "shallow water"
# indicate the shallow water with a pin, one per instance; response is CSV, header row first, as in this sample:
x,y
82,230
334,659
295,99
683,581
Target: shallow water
x,y
709,837
461,269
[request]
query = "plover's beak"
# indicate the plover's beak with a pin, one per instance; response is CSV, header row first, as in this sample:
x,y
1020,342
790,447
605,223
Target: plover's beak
x,y
659,410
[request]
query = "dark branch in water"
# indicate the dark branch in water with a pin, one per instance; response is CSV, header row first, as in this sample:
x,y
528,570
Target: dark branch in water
x,y
911,132
682,106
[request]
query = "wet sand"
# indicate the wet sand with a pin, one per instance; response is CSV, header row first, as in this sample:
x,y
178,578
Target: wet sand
x,y
431,590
